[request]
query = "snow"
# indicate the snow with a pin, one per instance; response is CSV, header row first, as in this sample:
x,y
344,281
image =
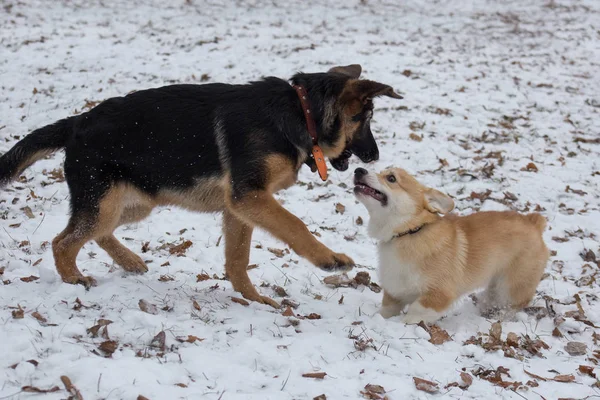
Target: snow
x,y
515,77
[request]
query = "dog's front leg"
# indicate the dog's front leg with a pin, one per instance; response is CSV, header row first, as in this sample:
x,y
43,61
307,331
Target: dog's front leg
x,y
259,208
429,307
237,254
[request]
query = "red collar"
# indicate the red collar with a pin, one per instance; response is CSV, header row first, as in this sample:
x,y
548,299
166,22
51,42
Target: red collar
x,y
317,153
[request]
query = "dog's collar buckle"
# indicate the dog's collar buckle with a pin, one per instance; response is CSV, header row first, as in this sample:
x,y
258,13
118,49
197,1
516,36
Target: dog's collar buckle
x,y
317,153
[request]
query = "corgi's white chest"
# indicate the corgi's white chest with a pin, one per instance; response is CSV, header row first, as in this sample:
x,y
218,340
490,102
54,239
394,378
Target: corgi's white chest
x,y
400,279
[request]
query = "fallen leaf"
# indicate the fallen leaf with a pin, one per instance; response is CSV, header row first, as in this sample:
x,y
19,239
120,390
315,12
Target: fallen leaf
x,y
19,313
189,339
359,221
340,208
196,305
467,380
147,307
315,375
535,376
341,280
438,335
166,278
181,248
202,277
39,317
140,397
279,291
159,341
108,347
375,388
564,378
30,278
341,300
35,264
576,348
415,137
512,339
70,388
362,278
496,331
531,167
557,333
94,329
288,312
289,303
313,316
587,370
33,389
425,386
320,397
28,212
278,252
240,301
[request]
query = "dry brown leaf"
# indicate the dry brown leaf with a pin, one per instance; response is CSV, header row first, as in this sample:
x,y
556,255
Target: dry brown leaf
x,y
512,339
166,278
341,300
94,329
70,388
340,208
35,264
374,388
425,386
278,252
576,348
564,378
279,291
467,380
189,339
320,397
359,221
18,313
33,389
557,333
535,376
39,317
415,137
28,212
181,248
312,316
531,167
240,301
196,305
202,277
288,312
341,280
587,370
108,347
147,307
362,278
140,397
438,335
315,375
496,331
30,278
159,341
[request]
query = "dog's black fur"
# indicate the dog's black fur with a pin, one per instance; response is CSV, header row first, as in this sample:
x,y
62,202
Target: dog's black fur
x,y
172,137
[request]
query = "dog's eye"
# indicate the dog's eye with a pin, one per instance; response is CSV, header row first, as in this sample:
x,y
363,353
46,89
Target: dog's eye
x,y
391,178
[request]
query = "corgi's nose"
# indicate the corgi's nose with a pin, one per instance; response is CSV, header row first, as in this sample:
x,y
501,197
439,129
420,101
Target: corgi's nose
x,y
360,172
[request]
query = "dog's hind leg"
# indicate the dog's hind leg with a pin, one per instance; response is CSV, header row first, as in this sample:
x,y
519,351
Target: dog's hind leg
x,y
89,220
237,255
524,275
126,258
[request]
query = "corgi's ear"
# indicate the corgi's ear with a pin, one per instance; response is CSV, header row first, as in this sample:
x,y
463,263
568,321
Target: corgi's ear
x,y
438,202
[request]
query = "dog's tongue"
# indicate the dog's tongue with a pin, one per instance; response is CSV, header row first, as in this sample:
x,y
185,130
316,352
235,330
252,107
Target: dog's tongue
x,y
341,163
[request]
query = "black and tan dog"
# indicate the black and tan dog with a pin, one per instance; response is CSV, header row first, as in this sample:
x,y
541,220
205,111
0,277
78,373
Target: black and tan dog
x,y
208,148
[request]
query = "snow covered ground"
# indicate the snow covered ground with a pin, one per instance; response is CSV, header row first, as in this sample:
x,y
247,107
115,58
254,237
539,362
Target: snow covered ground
x,y
501,111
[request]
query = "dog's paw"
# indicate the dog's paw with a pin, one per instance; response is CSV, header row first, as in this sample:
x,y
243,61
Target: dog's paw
x,y
133,263
86,281
337,262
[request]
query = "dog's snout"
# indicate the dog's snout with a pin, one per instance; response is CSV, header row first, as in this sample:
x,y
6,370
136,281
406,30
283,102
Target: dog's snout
x,y
360,172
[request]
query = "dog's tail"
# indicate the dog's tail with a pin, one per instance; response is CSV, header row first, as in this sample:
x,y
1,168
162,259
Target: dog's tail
x,y
538,220
33,147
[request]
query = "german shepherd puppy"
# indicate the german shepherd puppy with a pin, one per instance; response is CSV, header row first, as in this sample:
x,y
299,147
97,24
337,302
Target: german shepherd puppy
x,y
208,148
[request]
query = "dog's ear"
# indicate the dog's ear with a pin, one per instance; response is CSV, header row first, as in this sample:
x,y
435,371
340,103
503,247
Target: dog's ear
x,y
353,70
365,90
438,202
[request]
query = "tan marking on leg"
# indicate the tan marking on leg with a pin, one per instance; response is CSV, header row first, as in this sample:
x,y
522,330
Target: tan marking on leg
x,y
122,255
237,255
82,229
206,195
259,208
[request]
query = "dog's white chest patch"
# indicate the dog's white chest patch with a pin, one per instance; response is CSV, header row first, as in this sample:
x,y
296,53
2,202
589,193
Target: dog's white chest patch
x,y
400,279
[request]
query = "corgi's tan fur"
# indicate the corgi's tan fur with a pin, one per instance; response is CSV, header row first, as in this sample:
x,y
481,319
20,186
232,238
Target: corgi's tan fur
x,y
427,260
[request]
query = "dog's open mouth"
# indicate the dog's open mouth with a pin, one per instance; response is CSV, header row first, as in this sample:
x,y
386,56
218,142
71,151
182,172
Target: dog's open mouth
x,y
341,163
369,191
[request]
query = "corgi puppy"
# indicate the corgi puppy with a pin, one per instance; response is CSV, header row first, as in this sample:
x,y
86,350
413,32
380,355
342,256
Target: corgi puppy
x,y
427,261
